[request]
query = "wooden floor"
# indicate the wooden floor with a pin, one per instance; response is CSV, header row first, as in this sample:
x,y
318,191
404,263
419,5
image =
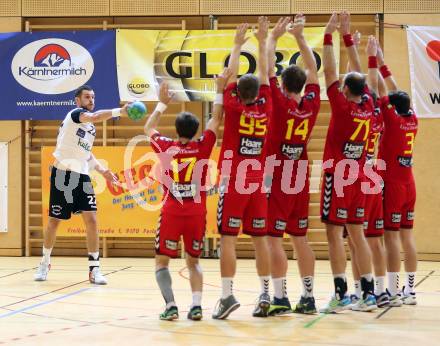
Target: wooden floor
x,y
67,310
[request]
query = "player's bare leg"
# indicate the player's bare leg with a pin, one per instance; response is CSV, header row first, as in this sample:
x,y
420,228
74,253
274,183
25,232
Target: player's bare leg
x,y
196,281
410,261
228,265
363,259
95,275
306,266
49,242
356,275
392,245
278,261
163,279
379,264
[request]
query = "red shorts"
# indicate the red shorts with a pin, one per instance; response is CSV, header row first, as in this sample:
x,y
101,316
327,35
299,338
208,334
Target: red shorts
x,y
373,225
171,227
237,209
340,210
398,205
288,212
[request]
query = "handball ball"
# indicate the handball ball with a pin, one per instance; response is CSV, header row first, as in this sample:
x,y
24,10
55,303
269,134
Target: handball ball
x,y
136,111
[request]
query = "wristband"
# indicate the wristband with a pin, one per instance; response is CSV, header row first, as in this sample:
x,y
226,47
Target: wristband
x,y
372,62
328,40
384,71
218,99
116,112
161,107
348,40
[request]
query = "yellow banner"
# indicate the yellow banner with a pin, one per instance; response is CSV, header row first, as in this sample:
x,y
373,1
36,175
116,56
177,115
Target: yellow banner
x,y
188,60
129,210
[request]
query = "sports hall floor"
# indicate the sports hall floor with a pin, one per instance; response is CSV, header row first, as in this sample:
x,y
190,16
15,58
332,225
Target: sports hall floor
x,y
67,310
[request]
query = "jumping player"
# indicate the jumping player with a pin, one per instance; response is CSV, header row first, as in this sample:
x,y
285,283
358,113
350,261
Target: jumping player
x,y
184,207
71,190
243,201
288,136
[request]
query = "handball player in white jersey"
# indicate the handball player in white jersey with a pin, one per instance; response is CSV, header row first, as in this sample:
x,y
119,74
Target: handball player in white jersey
x,y
71,190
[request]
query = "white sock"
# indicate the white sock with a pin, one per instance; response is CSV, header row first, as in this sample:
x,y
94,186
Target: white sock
x,y
264,283
46,255
409,283
197,299
357,288
393,283
227,287
279,285
368,277
307,282
380,285
170,304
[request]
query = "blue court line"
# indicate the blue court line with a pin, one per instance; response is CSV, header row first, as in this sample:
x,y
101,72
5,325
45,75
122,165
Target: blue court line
x,y
43,303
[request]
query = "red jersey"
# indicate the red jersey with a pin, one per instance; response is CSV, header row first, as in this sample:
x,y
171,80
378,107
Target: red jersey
x,y
183,172
245,130
292,124
375,132
349,128
397,144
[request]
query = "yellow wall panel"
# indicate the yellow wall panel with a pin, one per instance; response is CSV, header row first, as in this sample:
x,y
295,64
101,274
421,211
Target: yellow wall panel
x,y
412,6
10,8
230,7
328,6
65,8
153,7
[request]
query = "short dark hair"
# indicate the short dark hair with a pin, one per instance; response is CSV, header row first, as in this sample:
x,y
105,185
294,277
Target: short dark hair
x,y
79,91
187,125
355,82
248,87
294,78
400,100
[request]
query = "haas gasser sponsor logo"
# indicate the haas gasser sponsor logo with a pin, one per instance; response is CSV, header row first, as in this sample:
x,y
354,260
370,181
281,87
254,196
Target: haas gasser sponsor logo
x,y
52,66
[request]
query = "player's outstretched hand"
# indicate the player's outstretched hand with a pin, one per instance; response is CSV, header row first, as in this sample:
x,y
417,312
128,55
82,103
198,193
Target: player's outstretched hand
x,y
344,18
332,24
379,55
297,27
371,46
280,27
240,35
124,108
165,95
222,79
109,176
263,29
357,38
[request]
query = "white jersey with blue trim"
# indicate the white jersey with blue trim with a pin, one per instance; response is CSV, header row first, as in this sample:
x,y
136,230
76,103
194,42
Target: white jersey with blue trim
x,y
75,142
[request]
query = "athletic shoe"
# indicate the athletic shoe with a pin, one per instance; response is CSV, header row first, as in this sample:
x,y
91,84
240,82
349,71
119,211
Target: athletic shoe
x,y
365,305
305,306
41,274
383,300
169,314
96,277
336,305
395,301
354,298
224,307
408,298
280,306
195,313
262,307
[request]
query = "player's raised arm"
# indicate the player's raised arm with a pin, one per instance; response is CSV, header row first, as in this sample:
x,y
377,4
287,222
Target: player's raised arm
x,y
165,97
328,56
297,30
217,112
353,55
372,78
356,41
261,35
385,71
239,40
278,31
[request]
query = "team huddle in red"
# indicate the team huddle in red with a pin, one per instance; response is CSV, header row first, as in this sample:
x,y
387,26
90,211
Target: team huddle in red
x,y
367,193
